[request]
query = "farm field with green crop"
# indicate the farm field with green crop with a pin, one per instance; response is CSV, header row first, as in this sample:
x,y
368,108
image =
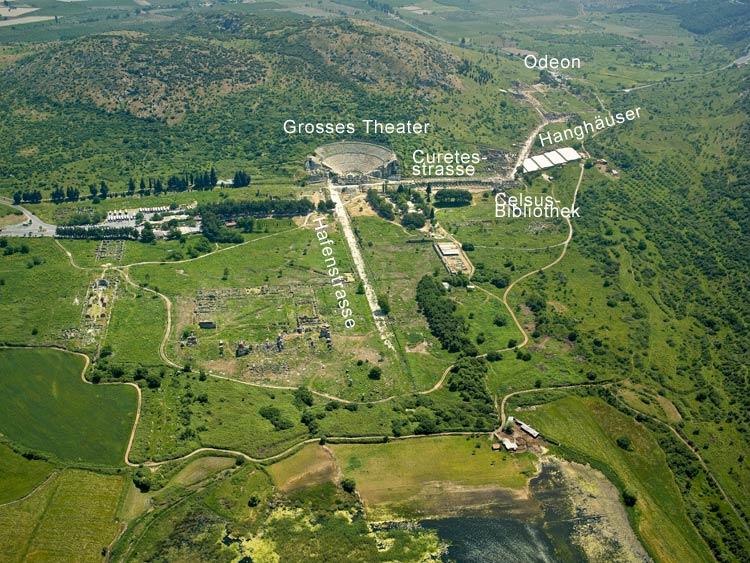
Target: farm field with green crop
x,y
47,407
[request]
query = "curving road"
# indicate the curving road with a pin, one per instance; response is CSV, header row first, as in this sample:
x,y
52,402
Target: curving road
x,y
32,226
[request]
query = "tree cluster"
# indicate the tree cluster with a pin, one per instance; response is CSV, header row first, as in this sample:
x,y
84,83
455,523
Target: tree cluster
x,y
258,208
97,233
440,311
241,179
274,416
380,205
29,196
450,197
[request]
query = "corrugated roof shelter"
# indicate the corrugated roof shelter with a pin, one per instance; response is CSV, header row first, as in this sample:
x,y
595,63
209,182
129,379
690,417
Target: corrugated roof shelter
x,y
448,249
510,445
529,430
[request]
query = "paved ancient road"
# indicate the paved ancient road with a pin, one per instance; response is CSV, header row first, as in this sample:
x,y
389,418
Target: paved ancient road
x,y
359,264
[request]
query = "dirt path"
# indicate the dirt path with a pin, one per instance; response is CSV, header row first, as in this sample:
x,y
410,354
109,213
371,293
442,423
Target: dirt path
x,y
565,244
32,491
700,459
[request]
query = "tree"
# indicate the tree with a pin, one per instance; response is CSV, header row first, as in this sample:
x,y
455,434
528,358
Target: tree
x,y
384,304
304,396
131,186
104,190
147,234
93,190
212,178
629,498
58,195
413,220
17,198
375,373
624,442
241,179
348,485
72,194
142,187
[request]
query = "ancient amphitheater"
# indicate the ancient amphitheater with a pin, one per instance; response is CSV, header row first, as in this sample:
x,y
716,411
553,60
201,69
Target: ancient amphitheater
x,y
351,161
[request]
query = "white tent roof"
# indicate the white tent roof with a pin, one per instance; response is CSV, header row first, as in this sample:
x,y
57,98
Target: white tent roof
x,y
569,153
555,157
542,161
530,166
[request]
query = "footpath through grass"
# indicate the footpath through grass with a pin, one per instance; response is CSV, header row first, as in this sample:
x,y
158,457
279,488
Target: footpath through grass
x,y
45,406
19,476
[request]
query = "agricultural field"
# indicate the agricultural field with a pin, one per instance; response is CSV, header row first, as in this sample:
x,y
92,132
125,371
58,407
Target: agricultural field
x,y
72,517
48,408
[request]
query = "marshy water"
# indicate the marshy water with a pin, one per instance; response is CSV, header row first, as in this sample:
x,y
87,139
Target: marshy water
x,y
542,532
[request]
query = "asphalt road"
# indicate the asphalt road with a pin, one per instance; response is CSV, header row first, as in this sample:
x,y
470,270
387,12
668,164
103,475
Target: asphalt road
x,y
31,226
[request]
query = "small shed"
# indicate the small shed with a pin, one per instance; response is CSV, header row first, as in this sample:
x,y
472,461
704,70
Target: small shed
x,y
510,445
207,324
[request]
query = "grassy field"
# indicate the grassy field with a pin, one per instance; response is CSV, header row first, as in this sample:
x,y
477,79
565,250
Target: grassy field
x,y
590,428
276,276
136,327
200,469
71,518
390,479
312,465
18,475
46,407
395,266
39,273
176,419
